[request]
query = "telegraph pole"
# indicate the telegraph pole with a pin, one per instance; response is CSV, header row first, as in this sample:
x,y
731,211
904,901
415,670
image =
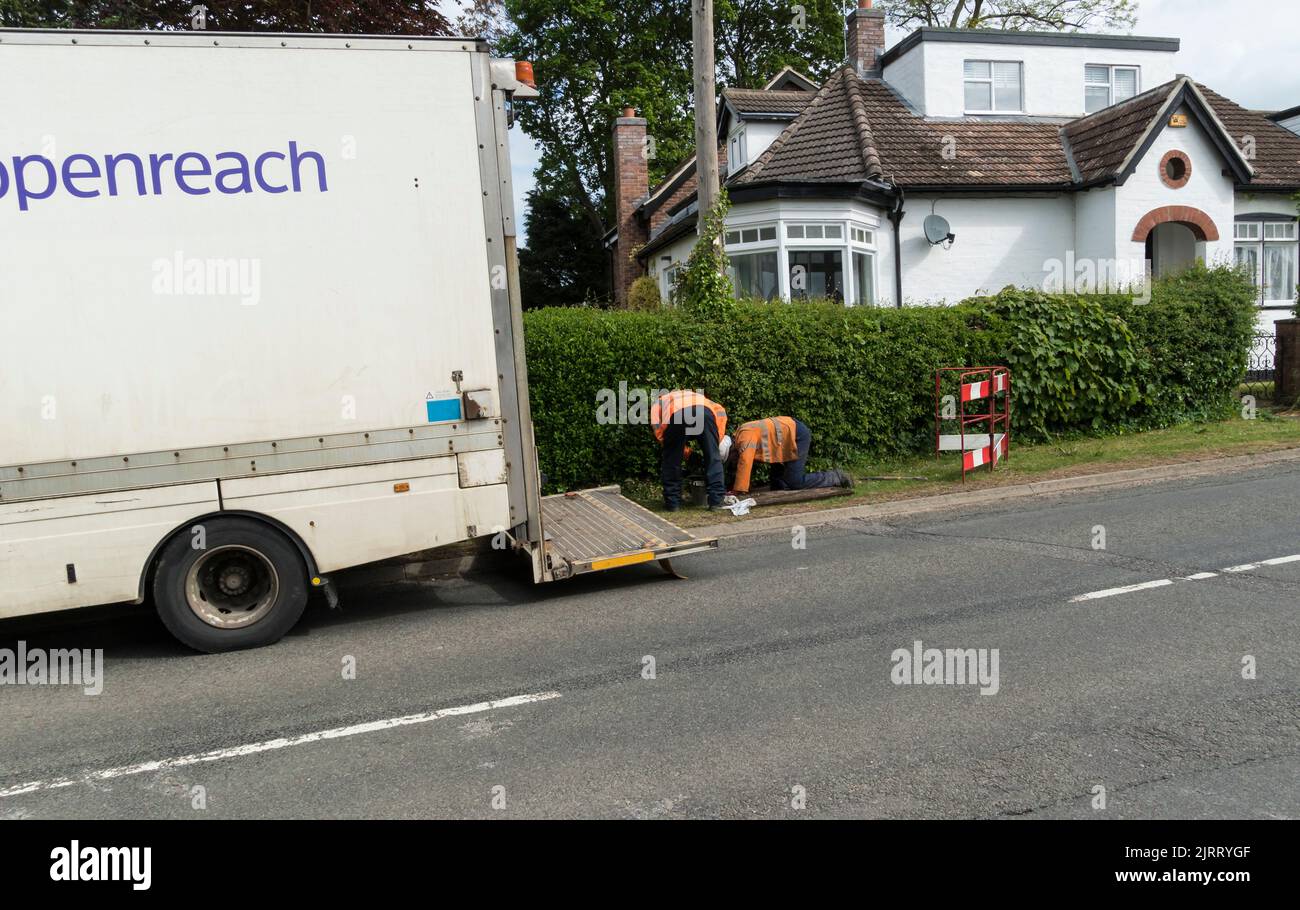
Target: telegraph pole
x,y
706,106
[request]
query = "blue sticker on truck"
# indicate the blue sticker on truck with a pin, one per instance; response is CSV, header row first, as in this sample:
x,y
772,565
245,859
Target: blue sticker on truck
x,y
442,409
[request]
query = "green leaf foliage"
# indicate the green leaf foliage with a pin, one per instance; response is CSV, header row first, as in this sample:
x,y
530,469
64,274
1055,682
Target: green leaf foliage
x,y
863,378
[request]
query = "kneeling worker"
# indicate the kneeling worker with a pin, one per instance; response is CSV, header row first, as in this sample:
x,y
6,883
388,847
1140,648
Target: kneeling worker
x,y
782,442
681,417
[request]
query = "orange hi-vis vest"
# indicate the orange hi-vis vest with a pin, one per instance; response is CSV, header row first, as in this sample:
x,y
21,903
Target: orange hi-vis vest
x,y
661,413
770,441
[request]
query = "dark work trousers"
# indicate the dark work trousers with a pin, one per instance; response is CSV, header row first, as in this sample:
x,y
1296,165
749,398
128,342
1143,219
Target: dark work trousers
x,y
695,427
791,476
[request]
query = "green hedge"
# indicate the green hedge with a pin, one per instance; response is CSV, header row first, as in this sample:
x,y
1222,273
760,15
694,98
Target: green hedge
x,y
863,378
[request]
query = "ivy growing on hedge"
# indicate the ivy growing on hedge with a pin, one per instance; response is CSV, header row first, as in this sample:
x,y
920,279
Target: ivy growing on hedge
x,y
862,378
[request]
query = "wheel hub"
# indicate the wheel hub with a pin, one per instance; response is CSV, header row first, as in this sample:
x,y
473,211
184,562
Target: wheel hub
x,y
231,587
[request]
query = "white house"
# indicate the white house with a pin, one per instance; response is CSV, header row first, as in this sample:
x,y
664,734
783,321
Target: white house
x,y
1048,160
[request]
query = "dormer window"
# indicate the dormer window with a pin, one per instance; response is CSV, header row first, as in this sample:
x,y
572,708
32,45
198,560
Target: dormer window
x,y
994,87
736,152
1107,85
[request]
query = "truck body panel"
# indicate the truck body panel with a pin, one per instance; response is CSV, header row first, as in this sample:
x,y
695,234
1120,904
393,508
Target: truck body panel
x,y
269,277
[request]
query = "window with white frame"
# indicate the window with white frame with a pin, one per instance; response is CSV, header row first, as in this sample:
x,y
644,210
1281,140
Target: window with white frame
x,y
1269,252
832,260
994,87
743,236
815,257
863,254
737,149
755,275
813,231
752,261
667,271
1106,85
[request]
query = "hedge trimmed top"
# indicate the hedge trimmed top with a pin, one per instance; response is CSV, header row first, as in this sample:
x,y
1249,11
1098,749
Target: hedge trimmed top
x,y
862,378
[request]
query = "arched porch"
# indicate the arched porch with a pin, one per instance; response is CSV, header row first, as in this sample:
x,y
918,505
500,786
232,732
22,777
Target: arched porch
x,y
1175,237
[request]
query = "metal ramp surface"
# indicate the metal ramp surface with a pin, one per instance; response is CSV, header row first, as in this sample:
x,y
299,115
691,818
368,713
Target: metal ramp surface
x,y
595,530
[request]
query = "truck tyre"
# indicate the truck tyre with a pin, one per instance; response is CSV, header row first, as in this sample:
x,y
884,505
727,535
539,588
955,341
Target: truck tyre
x,y
244,587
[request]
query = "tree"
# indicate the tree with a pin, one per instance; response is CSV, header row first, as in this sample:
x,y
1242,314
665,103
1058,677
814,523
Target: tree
x,y
756,39
484,19
376,17
565,263
592,59
1044,15
595,57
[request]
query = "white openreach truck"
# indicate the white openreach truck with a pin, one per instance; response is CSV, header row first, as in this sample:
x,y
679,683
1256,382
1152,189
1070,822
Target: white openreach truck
x,y
261,322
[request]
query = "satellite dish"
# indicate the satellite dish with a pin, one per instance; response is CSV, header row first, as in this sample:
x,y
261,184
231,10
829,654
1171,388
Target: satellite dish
x,y
937,230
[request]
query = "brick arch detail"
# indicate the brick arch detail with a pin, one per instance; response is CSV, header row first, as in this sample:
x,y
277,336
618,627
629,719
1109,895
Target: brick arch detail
x,y
1201,224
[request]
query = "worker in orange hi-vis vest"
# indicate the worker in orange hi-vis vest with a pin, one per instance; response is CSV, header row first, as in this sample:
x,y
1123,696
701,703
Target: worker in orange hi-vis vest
x,y
782,442
680,417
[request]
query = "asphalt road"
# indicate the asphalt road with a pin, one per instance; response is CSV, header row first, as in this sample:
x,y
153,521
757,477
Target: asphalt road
x,y
772,682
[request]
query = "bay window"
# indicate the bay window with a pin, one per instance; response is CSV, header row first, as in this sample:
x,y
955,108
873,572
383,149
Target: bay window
x,y
803,260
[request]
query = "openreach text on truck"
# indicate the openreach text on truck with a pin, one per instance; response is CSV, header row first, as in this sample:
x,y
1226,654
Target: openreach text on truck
x,y
261,321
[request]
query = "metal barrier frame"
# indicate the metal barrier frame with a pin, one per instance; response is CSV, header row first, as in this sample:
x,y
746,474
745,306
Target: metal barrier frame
x,y
974,384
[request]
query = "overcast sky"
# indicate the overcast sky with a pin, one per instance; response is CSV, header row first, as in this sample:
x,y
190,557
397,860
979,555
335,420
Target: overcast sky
x,y
1244,49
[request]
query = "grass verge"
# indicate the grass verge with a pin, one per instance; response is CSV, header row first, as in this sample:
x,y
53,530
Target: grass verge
x,y
928,476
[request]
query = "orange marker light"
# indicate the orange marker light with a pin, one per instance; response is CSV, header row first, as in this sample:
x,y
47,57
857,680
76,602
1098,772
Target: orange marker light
x,y
524,73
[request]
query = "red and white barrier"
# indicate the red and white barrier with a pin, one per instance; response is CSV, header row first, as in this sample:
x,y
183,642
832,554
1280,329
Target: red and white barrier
x,y
985,434
974,391
980,457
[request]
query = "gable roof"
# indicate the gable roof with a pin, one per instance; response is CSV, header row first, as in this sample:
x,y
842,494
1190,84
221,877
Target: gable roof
x,y
1108,145
858,129
790,78
750,101
784,98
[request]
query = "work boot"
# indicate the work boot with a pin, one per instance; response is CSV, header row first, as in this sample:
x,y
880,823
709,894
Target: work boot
x,y
843,479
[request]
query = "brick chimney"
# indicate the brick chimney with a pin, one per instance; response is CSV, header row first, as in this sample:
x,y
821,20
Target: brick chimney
x,y
631,186
866,39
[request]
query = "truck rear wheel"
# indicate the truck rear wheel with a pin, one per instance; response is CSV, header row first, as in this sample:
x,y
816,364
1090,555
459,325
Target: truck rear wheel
x,y
240,584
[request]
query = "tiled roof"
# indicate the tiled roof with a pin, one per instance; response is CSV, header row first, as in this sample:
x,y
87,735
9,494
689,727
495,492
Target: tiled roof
x,y
831,141
1100,143
855,130
1277,149
920,152
761,101
859,129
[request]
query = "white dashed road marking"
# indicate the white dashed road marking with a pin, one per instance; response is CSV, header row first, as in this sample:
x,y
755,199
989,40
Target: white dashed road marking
x,y
272,745
1165,582
1128,589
